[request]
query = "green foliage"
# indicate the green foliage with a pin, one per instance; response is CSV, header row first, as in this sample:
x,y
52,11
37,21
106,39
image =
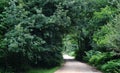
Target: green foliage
x,y
21,46
3,3
39,70
107,39
88,16
104,34
103,16
101,58
13,15
34,32
108,36
107,61
112,66
70,44
20,40
30,38
89,55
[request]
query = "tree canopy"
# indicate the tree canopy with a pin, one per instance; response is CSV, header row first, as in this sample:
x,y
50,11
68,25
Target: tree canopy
x,y
36,32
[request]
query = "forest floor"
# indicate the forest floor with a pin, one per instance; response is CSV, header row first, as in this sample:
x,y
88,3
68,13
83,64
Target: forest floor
x,y
73,66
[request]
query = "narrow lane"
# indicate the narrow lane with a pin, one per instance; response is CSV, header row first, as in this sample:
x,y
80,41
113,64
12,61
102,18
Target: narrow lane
x,y
73,66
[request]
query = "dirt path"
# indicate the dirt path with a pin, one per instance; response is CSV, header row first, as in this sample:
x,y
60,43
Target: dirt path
x,y
72,66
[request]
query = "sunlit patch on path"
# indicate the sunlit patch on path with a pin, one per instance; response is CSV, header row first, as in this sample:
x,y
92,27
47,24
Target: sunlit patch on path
x,y
73,66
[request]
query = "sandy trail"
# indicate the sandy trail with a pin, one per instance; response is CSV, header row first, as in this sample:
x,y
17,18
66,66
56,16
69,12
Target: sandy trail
x,y
73,66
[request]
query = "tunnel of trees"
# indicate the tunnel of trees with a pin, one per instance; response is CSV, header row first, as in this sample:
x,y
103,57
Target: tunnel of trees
x,y
36,32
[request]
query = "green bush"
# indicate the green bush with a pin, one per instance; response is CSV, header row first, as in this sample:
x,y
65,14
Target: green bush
x,y
89,16
107,38
32,31
50,58
3,3
96,59
101,58
20,43
21,46
89,55
112,66
32,39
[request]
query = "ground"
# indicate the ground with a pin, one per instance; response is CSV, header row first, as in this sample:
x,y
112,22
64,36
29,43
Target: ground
x,y
73,66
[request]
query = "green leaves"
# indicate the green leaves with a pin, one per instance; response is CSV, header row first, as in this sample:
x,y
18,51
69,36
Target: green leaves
x,y
2,53
108,36
32,31
30,36
3,3
112,66
104,15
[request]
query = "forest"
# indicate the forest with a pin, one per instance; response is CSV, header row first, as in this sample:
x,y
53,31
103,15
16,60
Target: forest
x,y
35,33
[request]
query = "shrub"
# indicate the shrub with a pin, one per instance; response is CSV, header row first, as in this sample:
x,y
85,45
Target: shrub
x,y
112,66
33,39
27,49
20,45
101,58
107,38
89,54
3,3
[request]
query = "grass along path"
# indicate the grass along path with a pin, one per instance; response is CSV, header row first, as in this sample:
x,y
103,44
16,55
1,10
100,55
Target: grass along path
x,y
37,70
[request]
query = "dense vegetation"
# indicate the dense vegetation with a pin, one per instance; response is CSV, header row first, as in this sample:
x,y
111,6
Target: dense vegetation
x,y
33,33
